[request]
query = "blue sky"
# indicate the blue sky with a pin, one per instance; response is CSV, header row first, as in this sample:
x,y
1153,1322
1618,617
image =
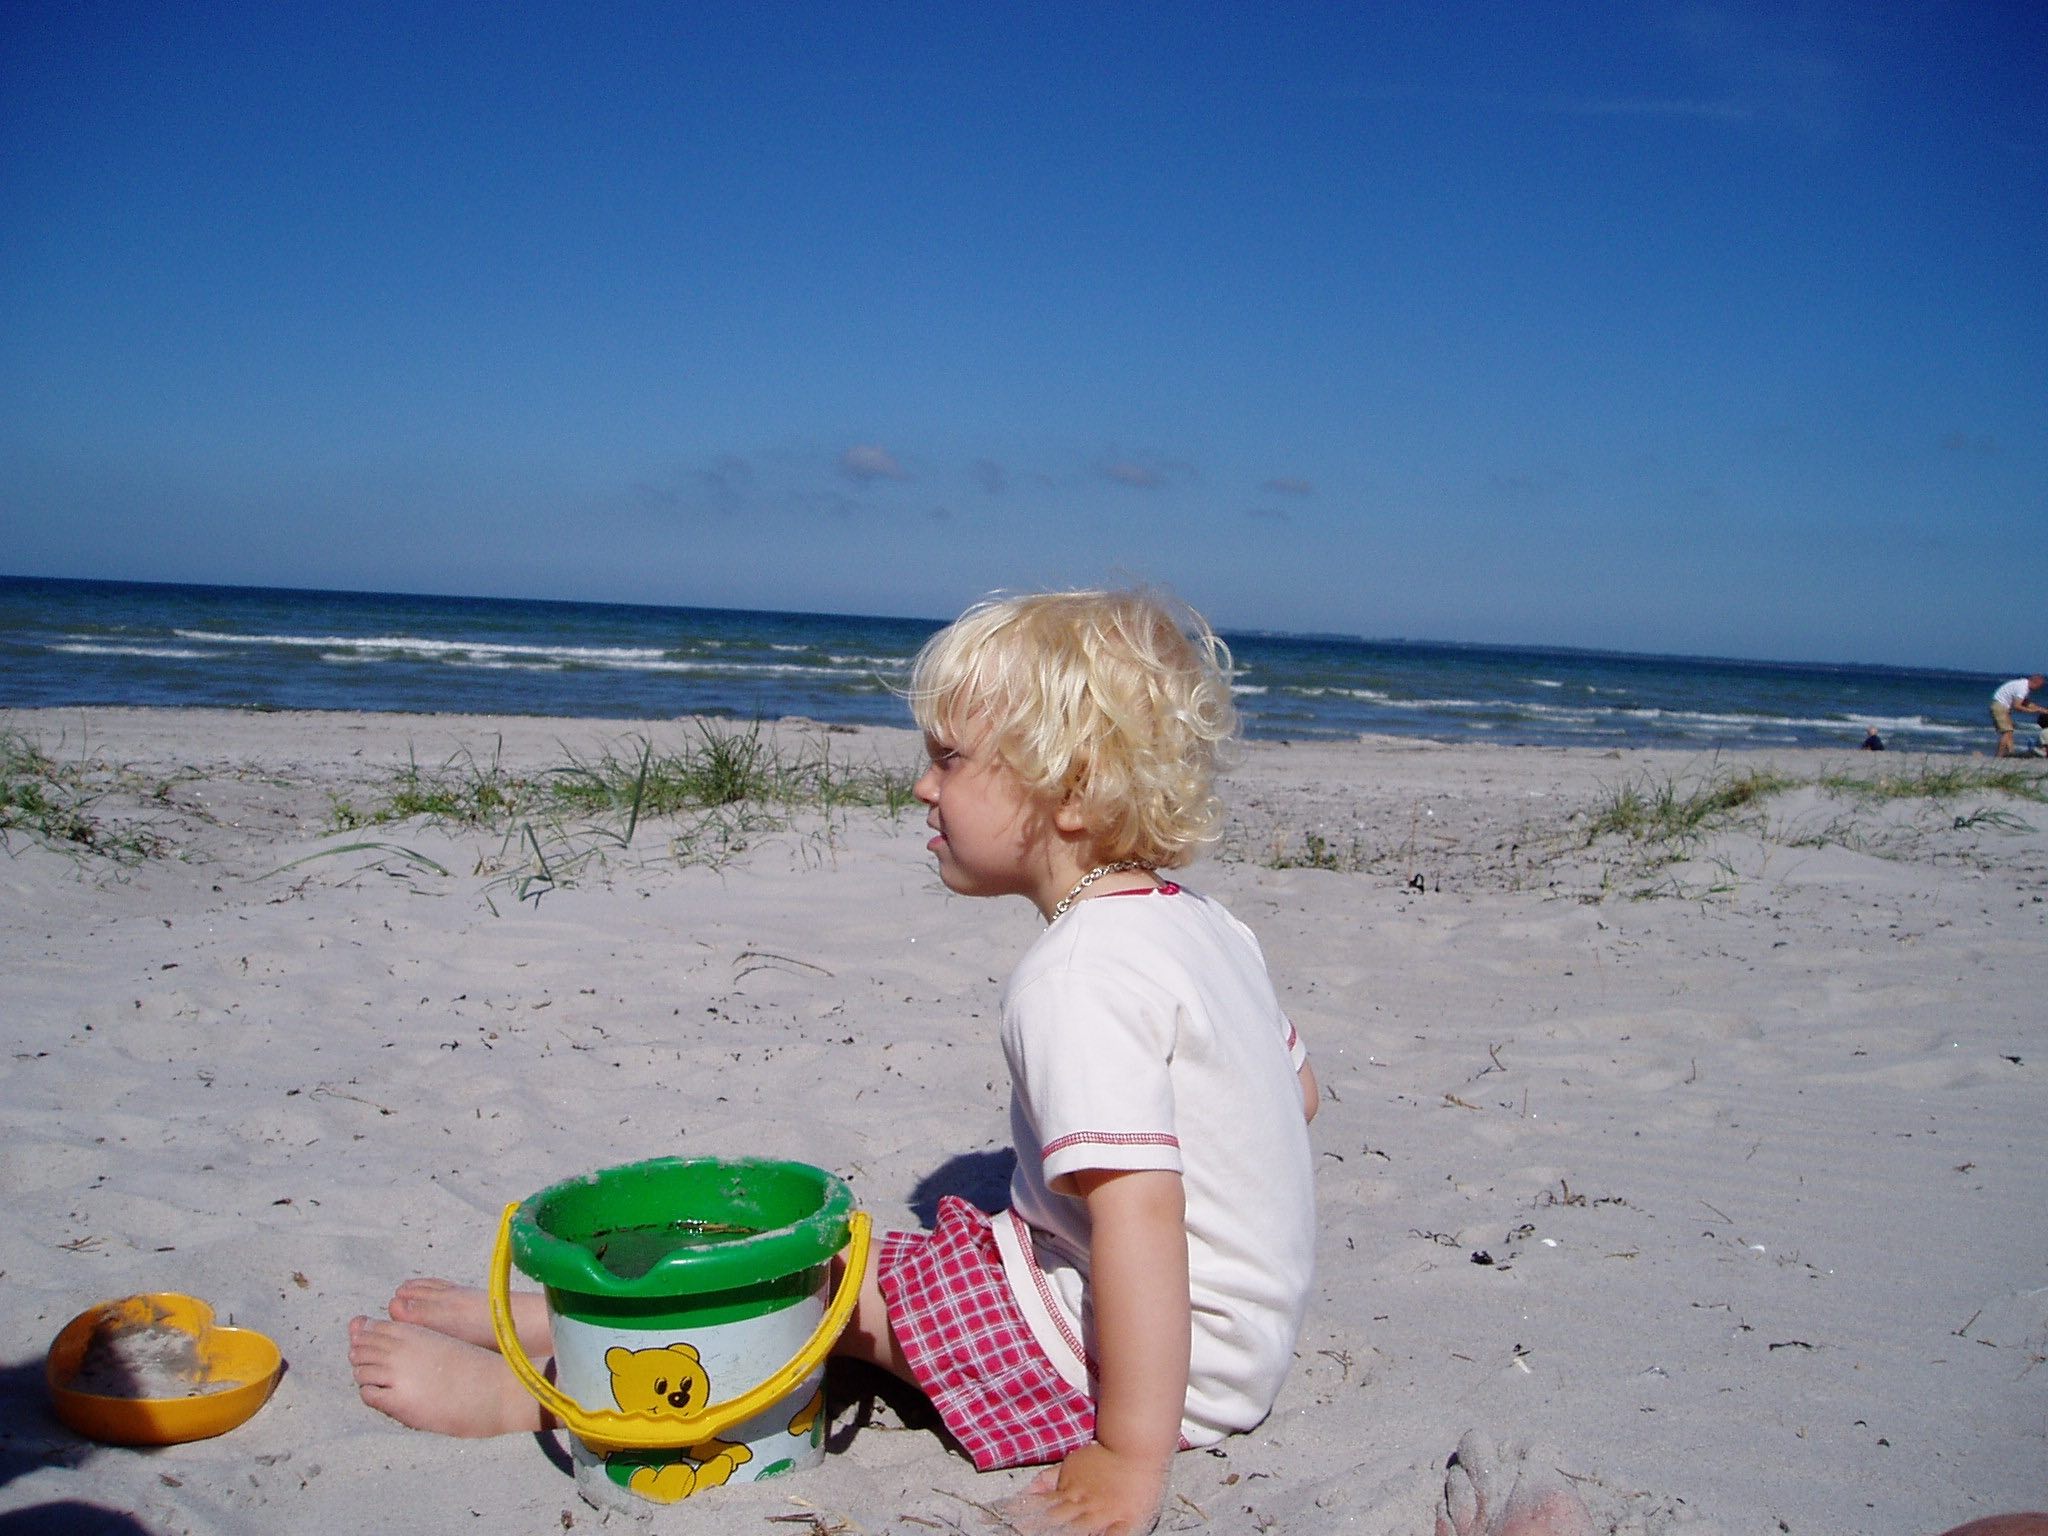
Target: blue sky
x,y
1714,328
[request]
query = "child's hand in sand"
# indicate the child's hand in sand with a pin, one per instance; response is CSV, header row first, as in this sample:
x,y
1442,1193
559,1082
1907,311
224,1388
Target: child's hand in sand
x,y
1094,1492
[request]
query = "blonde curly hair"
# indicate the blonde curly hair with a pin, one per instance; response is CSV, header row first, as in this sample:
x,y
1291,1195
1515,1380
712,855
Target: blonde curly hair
x,y
1117,703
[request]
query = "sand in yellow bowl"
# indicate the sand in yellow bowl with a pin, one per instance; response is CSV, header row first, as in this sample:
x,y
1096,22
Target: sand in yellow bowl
x,y
155,1370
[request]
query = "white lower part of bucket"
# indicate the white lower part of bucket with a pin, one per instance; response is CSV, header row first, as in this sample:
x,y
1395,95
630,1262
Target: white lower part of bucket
x,y
686,1368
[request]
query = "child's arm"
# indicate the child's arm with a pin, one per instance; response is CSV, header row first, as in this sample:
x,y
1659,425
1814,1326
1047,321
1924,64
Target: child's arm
x,y
1311,1092
1138,1287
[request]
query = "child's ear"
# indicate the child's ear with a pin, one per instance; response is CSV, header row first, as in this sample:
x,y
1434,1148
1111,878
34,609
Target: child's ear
x,y
1066,816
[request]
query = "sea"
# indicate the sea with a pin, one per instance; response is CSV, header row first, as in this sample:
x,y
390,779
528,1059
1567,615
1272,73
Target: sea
x,y
65,643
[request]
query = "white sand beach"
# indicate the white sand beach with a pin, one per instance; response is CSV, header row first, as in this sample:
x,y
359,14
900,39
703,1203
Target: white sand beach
x,y
1719,1180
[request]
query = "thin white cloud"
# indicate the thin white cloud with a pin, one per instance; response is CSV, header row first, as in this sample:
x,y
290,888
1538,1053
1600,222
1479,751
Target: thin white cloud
x,y
1140,476
1789,66
728,482
724,486
867,462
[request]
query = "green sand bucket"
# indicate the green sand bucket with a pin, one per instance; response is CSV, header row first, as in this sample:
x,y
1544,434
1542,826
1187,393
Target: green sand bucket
x,y
688,1299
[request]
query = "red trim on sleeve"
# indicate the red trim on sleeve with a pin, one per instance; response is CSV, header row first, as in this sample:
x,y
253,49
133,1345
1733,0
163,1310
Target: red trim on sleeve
x,y
1110,1139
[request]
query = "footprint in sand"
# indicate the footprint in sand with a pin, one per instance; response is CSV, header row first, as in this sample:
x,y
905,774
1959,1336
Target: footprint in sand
x,y
1488,1493
1491,1493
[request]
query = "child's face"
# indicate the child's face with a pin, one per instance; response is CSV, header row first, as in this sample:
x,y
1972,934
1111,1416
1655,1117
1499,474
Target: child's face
x,y
993,839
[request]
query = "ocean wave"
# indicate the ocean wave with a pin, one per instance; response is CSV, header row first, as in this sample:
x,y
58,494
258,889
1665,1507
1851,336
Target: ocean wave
x,y
90,648
498,656
1595,719
879,663
1684,718
1388,701
419,645
740,670
1914,723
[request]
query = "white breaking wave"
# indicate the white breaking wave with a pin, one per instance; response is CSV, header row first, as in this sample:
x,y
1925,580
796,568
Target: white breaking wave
x,y
1388,701
423,647
494,656
519,663
1593,717
1688,718
1914,723
89,648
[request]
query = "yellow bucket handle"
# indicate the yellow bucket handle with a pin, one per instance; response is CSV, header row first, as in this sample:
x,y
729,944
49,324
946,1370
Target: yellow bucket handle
x,y
662,1431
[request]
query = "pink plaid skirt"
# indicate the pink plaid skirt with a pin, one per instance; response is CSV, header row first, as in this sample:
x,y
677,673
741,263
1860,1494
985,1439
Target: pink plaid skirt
x,y
970,1348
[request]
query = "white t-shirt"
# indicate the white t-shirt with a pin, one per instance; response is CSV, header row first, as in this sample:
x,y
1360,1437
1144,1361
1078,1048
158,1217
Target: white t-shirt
x,y
1142,1031
2014,692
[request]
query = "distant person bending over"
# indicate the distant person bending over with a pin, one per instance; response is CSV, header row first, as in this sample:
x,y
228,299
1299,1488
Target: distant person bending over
x,y
2015,696
1146,1288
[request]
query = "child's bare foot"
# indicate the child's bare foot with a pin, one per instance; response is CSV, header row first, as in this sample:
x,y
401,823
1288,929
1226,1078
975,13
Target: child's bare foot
x,y
1486,1494
464,1312
432,1381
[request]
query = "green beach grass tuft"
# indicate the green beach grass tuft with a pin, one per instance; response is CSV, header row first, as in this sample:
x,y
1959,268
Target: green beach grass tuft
x,y
37,797
53,803
720,766
1643,825
714,793
1672,812
1664,820
1317,851
1943,781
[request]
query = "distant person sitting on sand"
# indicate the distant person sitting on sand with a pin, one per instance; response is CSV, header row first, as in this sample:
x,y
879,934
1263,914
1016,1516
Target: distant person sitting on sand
x,y
2014,696
1873,742
1162,1206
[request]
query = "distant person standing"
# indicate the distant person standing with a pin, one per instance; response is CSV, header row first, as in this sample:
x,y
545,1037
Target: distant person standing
x,y
2015,695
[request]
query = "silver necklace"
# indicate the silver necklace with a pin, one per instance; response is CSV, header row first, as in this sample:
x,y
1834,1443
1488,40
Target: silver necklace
x,y
1060,910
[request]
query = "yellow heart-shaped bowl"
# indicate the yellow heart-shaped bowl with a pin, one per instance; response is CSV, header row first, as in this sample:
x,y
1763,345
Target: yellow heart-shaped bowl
x,y
154,1370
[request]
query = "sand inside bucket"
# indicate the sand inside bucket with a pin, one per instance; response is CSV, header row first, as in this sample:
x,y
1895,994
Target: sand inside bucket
x,y
144,1360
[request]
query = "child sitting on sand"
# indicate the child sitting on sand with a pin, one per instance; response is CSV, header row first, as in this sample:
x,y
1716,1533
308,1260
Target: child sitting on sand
x,y
1145,1289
